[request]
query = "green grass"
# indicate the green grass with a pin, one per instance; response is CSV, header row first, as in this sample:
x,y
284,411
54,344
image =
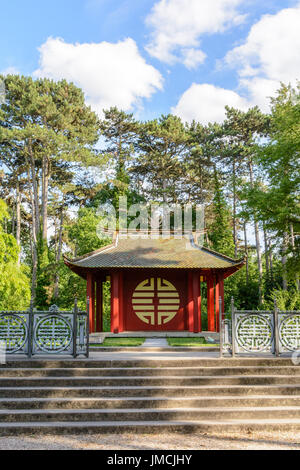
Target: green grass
x,y
121,342
187,342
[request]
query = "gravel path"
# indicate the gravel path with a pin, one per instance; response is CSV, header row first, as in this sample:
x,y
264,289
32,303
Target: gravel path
x,y
170,441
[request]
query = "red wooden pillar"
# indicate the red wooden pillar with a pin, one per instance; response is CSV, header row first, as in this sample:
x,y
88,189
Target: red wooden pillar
x,y
210,304
197,302
190,303
121,302
115,302
99,305
217,296
90,292
185,318
93,304
222,295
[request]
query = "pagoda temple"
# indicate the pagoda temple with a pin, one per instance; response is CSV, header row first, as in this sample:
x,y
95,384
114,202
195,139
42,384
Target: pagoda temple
x,y
155,283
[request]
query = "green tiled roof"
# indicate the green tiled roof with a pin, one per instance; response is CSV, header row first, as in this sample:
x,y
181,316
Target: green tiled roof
x,y
155,253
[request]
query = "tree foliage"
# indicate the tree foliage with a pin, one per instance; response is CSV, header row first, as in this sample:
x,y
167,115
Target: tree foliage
x,y
59,164
14,282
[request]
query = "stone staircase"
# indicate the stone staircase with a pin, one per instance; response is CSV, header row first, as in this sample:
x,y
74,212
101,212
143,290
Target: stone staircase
x,y
185,395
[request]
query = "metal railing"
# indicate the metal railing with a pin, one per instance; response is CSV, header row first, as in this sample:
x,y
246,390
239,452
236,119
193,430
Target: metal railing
x,y
260,332
52,332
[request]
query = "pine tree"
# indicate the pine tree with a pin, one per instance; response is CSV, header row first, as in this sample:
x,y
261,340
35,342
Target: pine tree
x,y
159,168
243,128
278,203
220,230
48,123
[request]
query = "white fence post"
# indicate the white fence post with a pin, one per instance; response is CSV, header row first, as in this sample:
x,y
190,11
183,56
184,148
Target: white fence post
x,y
233,326
276,331
2,352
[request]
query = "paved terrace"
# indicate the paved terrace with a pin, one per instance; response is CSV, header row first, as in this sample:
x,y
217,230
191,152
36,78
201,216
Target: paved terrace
x,y
147,355
123,356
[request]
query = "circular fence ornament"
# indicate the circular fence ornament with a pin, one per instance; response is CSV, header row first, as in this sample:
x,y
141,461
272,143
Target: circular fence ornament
x,y
53,334
289,332
254,333
13,332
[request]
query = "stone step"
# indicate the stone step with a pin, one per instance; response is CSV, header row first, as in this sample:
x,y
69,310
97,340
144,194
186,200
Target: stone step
x,y
149,371
184,395
153,363
150,414
150,381
147,391
207,426
149,402
151,349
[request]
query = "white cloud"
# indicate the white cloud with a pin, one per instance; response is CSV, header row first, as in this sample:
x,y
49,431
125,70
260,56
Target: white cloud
x,y
269,55
193,57
259,91
206,103
179,24
10,71
109,74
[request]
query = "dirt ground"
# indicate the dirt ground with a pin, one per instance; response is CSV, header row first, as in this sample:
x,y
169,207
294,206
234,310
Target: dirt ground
x,y
170,441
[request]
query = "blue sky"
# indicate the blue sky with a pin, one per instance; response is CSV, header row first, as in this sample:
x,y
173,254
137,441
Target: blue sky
x,y
190,57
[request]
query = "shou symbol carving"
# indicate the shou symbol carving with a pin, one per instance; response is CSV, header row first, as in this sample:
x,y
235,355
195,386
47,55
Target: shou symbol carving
x,y
263,331
155,301
39,332
289,332
14,332
254,332
53,333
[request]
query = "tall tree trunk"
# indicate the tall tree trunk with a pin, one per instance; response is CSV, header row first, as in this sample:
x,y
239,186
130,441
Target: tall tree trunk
x,y
18,216
58,254
259,262
246,252
45,185
13,222
271,260
293,247
33,179
266,252
234,208
257,240
164,185
284,260
33,240
34,272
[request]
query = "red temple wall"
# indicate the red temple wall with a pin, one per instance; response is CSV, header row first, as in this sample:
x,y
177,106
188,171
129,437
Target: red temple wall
x,y
156,300
158,304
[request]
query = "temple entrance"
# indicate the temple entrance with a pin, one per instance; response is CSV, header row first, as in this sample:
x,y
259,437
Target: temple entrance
x,y
155,303
156,284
